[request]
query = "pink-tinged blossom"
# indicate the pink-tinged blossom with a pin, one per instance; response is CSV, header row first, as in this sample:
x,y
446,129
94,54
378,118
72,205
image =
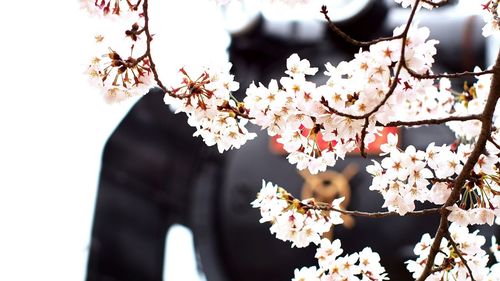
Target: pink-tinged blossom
x,y
459,216
439,193
482,216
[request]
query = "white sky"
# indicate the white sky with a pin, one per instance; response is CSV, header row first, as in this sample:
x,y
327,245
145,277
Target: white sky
x,y
54,125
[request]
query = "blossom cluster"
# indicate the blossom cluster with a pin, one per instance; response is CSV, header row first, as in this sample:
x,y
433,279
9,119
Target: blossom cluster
x,y
110,8
448,264
119,76
121,68
205,95
354,99
296,114
404,177
490,16
301,222
432,102
471,101
364,265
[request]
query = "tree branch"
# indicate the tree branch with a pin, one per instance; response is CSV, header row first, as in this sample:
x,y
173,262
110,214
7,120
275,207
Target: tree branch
x,y
363,136
490,139
328,207
446,75
149,38
349,39
432,121
487,117
454,245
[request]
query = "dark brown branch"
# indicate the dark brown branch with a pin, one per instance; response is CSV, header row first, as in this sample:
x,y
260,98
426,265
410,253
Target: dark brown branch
x,y
363,136
242,113
490,139
348,38
147,54
459,253
487,117
438,269
445,75
394,82
433,121
328,207
440,180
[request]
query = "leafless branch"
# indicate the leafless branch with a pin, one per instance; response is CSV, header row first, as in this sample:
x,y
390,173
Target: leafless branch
x,y
459,253
328,207
445,75
349,39
149,38
432,121
490,139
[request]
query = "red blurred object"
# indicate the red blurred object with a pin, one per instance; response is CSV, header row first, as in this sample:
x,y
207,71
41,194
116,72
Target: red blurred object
x,y
373,148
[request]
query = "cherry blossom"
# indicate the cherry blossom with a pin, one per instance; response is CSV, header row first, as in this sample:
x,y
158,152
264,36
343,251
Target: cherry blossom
x,y
300,111
471,101
364,265
301,222
404,177
448,264
490,15
205,95
117,75
110,8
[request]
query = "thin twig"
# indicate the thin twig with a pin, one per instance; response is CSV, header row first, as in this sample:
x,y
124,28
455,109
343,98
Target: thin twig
x,y
439,268
440,180
363,136
454,245
432,121
490,139
446,75
394,81
328,207
349,39
149,38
